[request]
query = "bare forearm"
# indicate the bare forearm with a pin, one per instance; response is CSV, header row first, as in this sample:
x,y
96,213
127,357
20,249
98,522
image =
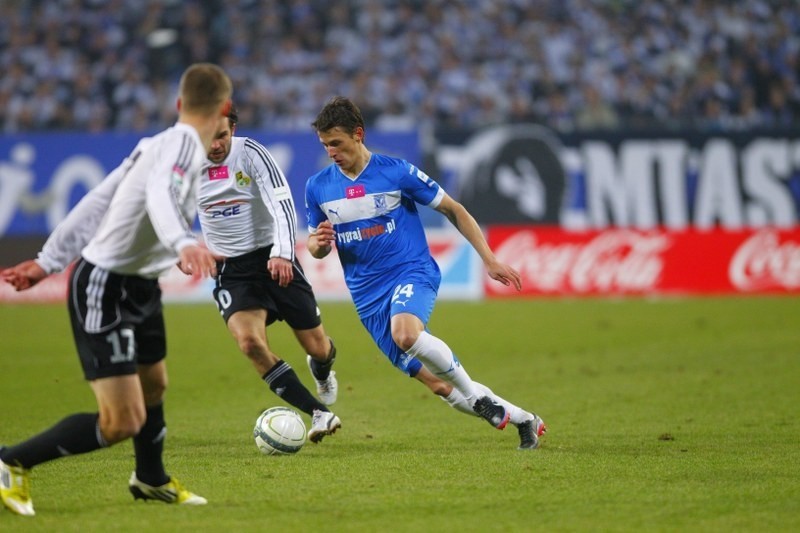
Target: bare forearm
x,y
468,227
466,224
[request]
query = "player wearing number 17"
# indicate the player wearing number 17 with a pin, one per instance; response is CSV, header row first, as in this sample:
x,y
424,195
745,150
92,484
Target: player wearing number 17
x,y
126,232
365,204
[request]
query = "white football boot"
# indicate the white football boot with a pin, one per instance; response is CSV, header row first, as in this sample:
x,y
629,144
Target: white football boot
x,y
327,389
323,423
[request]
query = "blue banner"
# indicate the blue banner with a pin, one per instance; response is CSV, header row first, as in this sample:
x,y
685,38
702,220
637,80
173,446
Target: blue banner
x,y
42,176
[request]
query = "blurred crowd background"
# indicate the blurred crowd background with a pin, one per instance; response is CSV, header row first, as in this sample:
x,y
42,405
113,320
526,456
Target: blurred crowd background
x,y
113,65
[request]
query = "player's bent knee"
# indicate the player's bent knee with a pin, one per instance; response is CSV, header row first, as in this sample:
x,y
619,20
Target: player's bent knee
x,y
405,339
250,345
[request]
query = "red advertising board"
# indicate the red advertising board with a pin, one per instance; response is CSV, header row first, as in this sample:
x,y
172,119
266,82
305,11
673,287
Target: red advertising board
x,y
553,261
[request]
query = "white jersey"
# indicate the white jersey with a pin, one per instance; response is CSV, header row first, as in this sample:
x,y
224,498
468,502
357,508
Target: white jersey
x,y
148,219
245,204
65,243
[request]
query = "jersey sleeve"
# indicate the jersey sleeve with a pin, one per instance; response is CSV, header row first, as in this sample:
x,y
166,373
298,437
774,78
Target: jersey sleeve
x,y
277,197
72,234
417,185
314,214
172,179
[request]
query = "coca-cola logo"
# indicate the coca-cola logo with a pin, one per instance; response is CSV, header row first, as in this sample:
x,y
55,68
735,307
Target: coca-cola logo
x,y
611,261
763,262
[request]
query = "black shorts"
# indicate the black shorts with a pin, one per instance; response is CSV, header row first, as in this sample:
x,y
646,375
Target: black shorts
x,y
244,282
117,321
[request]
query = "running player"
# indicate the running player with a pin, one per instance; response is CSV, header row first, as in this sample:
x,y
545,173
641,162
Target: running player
x,y
366,204
249,222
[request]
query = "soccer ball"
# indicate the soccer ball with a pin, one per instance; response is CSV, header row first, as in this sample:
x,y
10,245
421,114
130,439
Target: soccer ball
x,y
279,431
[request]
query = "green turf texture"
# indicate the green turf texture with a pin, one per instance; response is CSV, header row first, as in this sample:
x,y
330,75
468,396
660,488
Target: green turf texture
x,y
664,415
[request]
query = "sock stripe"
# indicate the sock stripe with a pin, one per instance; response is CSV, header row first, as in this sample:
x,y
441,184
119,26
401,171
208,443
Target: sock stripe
x,y
276,372
99,434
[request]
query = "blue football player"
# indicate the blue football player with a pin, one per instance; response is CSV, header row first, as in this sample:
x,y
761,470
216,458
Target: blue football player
x,y
365,203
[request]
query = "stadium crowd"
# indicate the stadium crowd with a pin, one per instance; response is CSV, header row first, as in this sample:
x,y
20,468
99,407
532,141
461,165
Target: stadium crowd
x,y
99,65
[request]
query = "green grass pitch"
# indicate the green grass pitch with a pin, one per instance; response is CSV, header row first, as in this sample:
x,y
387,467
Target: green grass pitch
x,y
664,415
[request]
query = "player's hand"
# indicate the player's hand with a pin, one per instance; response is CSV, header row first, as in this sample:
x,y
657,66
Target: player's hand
x,y
281,269
197,261
325,234
217,259
320,242
504,274
24,275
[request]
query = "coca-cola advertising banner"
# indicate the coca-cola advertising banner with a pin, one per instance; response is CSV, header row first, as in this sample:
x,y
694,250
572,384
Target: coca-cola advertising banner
x,y
553,261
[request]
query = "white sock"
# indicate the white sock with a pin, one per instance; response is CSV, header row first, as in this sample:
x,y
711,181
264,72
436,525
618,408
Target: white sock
x,y
438,357
516,414
457,401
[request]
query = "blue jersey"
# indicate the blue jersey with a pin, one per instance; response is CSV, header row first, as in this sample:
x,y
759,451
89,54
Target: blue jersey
x,y
379,235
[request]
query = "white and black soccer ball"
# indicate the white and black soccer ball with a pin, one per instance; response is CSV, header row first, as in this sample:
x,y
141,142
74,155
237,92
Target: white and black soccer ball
x,y
279,431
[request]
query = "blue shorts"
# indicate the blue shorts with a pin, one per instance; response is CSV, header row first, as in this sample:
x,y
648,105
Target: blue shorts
x,y
414,293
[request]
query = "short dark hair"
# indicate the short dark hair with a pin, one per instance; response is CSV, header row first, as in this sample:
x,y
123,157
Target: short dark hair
x,y
339,112
233,115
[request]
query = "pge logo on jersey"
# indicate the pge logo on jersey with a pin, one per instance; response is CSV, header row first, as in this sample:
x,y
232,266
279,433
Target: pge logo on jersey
x,y
224,209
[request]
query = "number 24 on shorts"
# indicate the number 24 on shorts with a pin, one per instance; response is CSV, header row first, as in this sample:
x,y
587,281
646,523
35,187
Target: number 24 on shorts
x,y
403,290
